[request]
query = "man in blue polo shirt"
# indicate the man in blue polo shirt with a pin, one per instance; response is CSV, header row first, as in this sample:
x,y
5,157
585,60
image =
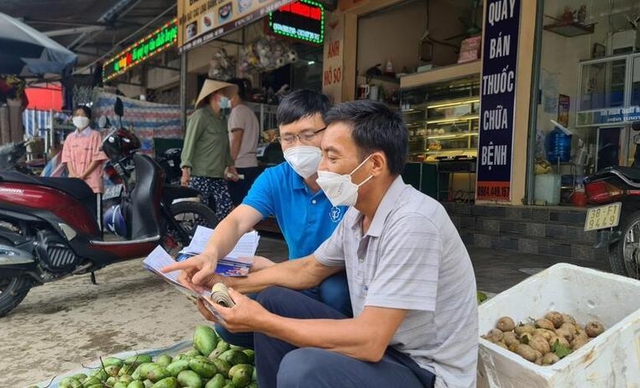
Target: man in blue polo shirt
x,y
289,192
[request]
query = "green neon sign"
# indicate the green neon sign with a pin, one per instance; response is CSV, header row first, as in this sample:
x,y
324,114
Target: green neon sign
x,y
301,20
154,43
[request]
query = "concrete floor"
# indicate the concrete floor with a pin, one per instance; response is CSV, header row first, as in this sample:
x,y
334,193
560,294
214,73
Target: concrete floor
x,y
62,325
497,271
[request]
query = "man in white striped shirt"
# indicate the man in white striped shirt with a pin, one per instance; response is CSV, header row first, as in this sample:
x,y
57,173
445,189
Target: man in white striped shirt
x,y
411,281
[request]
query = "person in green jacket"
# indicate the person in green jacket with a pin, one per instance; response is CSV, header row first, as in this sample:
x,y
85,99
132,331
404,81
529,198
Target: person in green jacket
x,y
206,154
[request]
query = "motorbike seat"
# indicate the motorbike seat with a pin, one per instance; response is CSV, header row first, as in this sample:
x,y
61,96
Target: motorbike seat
x,y
73,186
630,173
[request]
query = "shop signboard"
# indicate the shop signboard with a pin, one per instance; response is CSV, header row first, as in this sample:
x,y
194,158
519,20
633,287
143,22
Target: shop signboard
x,y
301,20
497,100
609,116
152,44
333,57
200,21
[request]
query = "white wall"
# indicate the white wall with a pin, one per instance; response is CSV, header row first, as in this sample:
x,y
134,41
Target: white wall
x,y
395,34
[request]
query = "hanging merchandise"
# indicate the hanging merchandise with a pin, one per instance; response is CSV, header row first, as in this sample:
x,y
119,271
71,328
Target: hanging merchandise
x,y
265,54
222,66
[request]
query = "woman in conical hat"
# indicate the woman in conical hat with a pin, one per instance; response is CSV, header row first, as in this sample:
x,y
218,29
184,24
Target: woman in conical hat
x,y
206,154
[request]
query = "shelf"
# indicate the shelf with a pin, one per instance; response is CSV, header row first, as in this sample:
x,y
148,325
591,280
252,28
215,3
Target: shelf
x,y
454,120
384,78
416,109
441,104
450,103
441,74
570,29
459,150
452,135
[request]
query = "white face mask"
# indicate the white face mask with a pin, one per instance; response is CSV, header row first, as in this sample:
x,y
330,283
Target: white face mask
x,y
304,159
81,122
224,102
339,189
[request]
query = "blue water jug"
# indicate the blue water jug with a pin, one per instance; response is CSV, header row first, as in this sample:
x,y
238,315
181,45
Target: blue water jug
x,y
558,146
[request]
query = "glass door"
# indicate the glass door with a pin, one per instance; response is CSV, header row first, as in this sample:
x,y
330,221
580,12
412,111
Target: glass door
x,y
634,113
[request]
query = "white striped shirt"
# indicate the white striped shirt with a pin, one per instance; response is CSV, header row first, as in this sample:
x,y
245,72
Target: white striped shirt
x,y
413,258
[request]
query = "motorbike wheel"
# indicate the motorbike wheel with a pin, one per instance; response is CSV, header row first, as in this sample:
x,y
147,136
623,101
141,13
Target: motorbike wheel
x,y
188,215
12,292
624,255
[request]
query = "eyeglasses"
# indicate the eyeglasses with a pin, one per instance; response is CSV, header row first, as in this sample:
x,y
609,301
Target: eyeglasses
x,y
304,137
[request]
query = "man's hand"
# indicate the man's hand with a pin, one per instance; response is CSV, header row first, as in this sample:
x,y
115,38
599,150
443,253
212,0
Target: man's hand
x,y
259,263
198,272
244,317
186,176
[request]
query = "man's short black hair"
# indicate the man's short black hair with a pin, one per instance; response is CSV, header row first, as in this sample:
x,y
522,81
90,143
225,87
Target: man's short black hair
x,y
374,127
300,104
85,109
241,83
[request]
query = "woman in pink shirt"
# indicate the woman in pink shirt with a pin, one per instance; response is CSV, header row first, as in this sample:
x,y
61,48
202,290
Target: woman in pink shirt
x,y
81,152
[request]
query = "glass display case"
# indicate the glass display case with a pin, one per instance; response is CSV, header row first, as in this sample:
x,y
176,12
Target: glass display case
x,y
443,119
609,102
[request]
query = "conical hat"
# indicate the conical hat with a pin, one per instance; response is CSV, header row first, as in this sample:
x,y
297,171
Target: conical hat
x,y
210,86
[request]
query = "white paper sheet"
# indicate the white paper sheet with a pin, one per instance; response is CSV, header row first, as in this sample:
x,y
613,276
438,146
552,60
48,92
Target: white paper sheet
x,y
246,246
159,259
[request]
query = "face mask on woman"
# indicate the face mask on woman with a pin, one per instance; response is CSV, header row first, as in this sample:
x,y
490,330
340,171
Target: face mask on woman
x,y
224,103
81,122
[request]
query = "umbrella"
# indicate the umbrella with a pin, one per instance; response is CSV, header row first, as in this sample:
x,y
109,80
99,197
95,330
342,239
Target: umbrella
x,y
26,51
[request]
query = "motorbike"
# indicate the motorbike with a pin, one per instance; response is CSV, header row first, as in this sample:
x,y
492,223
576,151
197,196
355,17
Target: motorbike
x,y
616,190
169,161
50,229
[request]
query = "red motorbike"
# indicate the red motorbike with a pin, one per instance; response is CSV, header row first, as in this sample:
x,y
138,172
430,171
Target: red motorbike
x,y
49,227
617,218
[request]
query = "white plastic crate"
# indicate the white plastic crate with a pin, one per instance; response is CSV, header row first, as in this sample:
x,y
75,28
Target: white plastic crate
x,y
610,360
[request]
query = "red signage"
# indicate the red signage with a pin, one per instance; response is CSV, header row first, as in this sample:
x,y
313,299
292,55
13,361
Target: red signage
x,y
302,9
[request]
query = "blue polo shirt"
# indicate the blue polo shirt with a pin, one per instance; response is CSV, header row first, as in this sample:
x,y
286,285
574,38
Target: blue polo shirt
x,y
305,218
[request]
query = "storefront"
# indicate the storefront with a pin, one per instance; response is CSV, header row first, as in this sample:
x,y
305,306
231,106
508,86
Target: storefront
x,y
478,83
481,119
425,59
274,45
588,79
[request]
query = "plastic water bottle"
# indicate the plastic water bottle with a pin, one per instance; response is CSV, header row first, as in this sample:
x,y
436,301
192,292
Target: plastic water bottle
x,y
558,146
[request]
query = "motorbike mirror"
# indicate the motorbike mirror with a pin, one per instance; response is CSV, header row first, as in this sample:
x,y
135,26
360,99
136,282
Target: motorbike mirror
x,y
118,107
635,126
103,122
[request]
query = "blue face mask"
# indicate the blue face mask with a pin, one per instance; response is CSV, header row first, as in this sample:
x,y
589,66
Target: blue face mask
x,y
224,103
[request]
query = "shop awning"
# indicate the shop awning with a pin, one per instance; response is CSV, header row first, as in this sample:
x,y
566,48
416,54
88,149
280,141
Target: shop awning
x,y
45,97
